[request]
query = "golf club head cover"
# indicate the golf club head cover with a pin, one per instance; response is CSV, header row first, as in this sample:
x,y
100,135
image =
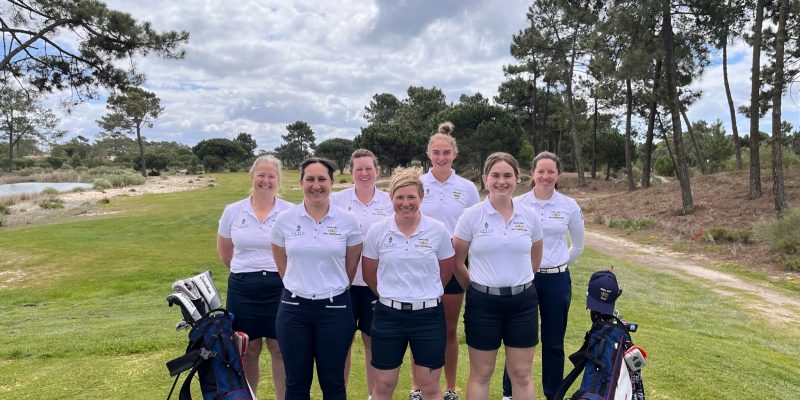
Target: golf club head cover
x,y
187,287
189,311
208,291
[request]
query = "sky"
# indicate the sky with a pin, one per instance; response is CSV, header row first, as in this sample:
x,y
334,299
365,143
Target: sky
x,y
258,66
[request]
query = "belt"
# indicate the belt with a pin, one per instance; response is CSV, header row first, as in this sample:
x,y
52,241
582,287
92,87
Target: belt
x,y
554,270
322,296
501,291
410,306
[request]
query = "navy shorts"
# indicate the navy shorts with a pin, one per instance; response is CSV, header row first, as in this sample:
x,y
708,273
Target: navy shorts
x,y
490,319
253,297
394,330
363,301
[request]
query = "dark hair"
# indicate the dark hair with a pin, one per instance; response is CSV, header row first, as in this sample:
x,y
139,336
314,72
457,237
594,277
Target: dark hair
x,y
358,153
494,158
317,160
542,156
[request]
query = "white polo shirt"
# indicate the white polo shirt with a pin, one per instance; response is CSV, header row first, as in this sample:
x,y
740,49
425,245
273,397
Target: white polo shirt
x,y
559,215
252,251
316,250
499,252
379,208
408,267
446,200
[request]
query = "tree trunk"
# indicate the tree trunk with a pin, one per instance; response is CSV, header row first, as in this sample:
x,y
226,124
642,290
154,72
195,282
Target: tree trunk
x,y
666,142
651,122
545,132
731,107
755,86
778,192
701,161
10,149
672,96
628,146
594,141
141,149
573,126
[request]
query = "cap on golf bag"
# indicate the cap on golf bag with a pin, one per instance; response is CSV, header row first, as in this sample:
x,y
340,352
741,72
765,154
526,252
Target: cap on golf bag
x,y
208,291
190,313
603,292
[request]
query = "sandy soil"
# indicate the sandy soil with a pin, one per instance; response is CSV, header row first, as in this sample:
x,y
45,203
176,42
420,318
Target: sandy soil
x,y
84,204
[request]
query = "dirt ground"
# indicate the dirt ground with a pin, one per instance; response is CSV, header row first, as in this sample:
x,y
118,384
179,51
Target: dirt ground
x,y
84,204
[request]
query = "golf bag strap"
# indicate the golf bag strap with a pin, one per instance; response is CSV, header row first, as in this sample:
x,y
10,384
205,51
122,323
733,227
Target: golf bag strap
x,y
569,380
186,388
579,359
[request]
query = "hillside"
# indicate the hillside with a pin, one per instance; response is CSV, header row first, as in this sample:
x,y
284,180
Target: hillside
x,y
720,200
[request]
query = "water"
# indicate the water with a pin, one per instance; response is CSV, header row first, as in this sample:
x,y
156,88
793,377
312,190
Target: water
x,y
13,189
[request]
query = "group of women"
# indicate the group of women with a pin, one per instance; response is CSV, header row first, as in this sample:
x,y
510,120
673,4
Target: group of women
x,y
396,266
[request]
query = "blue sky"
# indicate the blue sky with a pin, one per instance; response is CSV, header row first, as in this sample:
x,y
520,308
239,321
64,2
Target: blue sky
x,y
257,66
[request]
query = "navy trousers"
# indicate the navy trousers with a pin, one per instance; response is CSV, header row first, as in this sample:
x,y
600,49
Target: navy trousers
x,y
555,295
315,332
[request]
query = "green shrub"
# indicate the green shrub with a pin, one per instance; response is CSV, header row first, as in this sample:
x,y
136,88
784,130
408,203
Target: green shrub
x,y
49,191
52,203
343,180
664,166
633,224
104,200
719,233
783,236
102,184
4,210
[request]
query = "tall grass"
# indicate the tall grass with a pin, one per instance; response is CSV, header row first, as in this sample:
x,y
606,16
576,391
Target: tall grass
x,y
783,236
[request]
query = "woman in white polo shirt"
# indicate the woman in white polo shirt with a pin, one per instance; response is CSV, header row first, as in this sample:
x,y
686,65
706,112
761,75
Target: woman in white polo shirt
x,y
504,243
561,217
316,247
369,205
447,195
407,260
254,286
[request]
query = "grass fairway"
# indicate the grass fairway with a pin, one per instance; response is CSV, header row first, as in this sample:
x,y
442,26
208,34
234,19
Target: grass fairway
x,y
84,314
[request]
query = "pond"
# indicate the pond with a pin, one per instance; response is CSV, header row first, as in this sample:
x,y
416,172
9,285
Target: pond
x,y
15,189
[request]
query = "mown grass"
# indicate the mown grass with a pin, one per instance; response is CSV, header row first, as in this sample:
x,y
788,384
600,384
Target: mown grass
x,y
85,315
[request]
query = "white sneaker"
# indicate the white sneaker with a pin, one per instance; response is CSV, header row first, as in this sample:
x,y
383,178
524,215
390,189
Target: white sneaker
x,y
415,394
450,395
506,397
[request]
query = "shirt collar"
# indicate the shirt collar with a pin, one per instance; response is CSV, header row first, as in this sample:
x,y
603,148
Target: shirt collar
x,y
489,209
420,227
301,211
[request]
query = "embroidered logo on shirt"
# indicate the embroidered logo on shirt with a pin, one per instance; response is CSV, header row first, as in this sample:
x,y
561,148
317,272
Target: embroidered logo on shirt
x,y
485,228
556,214
298,232
456,195
389,243
423,243
518,226
332,230
243,225
379,211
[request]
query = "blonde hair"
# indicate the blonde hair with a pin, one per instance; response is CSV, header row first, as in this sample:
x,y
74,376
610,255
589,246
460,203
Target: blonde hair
x,y
403,178
444,133
271,161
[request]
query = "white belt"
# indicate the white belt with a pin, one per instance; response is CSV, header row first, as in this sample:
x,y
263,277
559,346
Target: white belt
x,y
554,270
319,296
409,306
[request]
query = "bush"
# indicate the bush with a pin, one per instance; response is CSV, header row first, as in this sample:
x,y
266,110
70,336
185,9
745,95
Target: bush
x,y
664,166
104,200
783,236
719,233
52,203
4,210
634,224
49,191
56,162
102,184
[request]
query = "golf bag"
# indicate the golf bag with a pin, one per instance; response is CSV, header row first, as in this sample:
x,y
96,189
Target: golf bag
x,y
610,363
214,354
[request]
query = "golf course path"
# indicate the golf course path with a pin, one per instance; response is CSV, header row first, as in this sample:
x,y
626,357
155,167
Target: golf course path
x,y
776,305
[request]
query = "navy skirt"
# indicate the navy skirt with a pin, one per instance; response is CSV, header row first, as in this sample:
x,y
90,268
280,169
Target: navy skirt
x,y
253,297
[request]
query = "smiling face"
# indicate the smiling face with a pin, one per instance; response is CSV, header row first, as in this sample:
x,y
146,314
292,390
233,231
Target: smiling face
x,y
545,175
501,180
364,172
265,179
316,184
406,201
441,153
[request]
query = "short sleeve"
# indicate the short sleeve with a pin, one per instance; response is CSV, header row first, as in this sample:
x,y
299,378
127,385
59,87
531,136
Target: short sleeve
x,y
371,240
445,245
476,197
354,236
278,238
464,226
224,228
